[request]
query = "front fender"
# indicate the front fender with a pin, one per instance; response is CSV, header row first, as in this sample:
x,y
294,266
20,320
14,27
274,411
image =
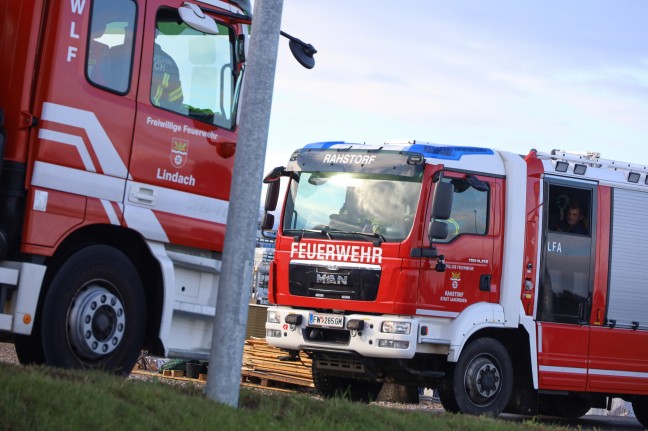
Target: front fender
x,y
472,319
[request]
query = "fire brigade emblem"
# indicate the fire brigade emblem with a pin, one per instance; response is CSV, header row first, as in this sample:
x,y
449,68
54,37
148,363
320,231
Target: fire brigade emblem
x,y
179,152
455,279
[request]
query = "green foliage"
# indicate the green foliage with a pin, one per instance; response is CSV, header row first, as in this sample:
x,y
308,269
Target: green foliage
x,y
36,398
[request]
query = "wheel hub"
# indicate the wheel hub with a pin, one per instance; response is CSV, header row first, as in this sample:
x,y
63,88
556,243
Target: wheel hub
x,y
482,381
488,380
96,322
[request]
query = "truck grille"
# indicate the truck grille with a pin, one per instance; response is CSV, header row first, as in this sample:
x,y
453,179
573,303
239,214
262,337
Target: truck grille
x,y
334,280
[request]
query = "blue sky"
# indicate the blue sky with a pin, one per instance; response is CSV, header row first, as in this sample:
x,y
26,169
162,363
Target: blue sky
x,y
507,74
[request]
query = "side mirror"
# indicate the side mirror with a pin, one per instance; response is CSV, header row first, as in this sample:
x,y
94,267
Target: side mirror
x,y
242,47
274,174
442,201
272,196
267,223
476,183
195,18
437,230
302,51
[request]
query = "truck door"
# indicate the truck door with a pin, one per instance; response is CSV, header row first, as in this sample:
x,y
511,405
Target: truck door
x,y
468,251
566,283
86,117
184,136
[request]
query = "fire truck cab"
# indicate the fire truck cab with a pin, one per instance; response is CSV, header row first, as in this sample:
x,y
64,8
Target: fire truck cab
x,y
118,137
508,283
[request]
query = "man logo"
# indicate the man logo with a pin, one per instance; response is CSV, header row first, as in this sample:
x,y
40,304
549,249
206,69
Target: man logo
x,y
179,152
332,279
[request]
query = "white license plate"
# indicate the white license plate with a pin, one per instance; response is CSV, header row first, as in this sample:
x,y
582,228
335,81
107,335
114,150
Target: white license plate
x,y
327,320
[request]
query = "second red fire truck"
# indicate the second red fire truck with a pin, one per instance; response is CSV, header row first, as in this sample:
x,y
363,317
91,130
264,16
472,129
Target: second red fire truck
x,y
508,283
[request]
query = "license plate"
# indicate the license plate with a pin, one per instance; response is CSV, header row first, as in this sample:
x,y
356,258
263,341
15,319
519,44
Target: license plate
x,y
326,320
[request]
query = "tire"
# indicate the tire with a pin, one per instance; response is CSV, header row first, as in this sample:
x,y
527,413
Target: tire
x,y
445,390
355,390
2,133
29,349
481,382
563,406
94,314
640,408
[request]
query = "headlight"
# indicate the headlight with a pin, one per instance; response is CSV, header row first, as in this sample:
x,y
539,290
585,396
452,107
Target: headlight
x,y
274,316
273,333
393,344
396,327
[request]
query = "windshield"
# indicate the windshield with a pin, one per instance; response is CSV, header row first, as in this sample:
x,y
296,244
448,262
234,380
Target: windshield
x,y
337,205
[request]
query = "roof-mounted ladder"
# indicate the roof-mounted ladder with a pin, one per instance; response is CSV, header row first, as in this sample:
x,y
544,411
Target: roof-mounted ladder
x,y
592,159
577,163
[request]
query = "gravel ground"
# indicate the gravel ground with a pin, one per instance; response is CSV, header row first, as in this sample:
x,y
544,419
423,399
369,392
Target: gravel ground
x,y
8,353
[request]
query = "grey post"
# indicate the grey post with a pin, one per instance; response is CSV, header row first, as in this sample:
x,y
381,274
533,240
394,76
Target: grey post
x,y
224,377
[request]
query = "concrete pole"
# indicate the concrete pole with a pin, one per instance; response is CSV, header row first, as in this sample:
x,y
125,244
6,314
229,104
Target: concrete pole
x,y
224,377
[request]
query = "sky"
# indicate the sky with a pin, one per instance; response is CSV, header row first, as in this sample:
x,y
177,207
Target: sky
x,y
506,74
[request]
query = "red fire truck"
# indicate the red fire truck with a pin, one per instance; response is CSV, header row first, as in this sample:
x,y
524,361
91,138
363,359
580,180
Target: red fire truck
x,y
118,136
508,283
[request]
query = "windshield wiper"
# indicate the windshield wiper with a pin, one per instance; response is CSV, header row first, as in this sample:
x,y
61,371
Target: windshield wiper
x,y
370,234
301,232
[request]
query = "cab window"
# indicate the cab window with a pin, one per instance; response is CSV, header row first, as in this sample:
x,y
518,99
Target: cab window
x,y
110,44
192,72
569,210
469,210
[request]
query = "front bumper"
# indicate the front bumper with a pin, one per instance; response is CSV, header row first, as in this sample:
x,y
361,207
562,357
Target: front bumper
x,y
360,333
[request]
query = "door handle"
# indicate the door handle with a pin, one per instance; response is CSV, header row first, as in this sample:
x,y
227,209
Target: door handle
x,y
484,283
142,195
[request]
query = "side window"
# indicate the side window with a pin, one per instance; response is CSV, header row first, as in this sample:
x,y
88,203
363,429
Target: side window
x,y
110,44
569,210
469,210
193,71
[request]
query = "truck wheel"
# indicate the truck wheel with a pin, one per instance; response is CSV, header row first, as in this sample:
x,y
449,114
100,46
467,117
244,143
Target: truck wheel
x,y
445,391
568,407
481,382
29,349
640,408
95,312
354,390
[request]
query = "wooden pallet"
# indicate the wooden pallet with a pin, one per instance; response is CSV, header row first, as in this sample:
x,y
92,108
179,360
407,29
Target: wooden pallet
x,y
172,375
261,367
261,364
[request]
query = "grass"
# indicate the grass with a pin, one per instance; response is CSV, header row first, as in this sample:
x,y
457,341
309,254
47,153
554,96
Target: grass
x,y
41,398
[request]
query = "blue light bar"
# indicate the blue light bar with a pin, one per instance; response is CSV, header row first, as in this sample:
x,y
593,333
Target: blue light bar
x,y
448,152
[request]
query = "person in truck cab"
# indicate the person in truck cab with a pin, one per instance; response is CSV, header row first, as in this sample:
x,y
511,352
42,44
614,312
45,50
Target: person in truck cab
x,y
574,220
98,52
166,90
